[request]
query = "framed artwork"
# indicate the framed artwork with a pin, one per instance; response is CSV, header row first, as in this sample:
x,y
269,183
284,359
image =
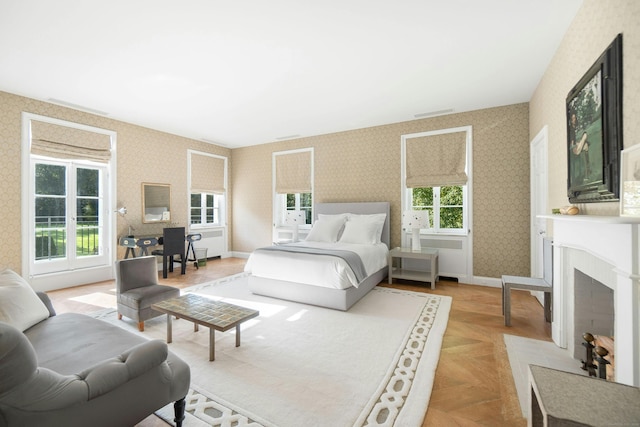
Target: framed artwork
x,y
594,130
630,182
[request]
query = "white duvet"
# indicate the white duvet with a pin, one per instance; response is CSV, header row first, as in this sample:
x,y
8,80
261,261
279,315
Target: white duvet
x,y
318,270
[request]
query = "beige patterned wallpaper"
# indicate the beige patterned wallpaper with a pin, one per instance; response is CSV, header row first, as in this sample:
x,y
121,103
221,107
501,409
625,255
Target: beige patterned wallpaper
x,y
593,29
364,165
143,155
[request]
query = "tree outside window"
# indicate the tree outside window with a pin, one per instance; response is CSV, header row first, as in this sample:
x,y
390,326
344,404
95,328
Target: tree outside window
x,y
445,205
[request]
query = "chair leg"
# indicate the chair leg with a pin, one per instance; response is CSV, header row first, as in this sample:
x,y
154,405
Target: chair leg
x,y
164,267
141,326
547,306
178,409
507,306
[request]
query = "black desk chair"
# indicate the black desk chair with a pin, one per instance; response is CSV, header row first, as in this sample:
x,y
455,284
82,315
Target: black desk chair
x,y
172,244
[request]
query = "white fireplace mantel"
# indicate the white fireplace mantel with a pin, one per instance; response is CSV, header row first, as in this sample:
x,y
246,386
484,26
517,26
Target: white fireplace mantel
x,y
607,249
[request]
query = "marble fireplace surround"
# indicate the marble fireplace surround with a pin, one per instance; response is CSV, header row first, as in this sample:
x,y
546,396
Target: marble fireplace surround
x,y
606,249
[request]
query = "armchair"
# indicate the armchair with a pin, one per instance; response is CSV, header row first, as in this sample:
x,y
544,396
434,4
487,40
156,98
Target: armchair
x,y
137,288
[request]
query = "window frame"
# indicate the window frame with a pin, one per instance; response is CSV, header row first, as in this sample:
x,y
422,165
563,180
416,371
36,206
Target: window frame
x,y
87,269
280,200
220,199
407,193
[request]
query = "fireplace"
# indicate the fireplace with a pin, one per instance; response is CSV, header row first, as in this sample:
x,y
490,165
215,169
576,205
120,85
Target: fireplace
x,y
593,310
597,285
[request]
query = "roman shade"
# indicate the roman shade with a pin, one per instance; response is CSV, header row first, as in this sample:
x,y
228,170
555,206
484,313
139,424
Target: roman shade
x,y
64,142
293,172
436,160
207,174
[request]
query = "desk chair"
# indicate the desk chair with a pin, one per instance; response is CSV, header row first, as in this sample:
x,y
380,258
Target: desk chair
x,y
172,244
145,243
130,244
544,284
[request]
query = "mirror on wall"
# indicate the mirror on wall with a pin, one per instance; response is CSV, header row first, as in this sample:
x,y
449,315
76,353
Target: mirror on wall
x,y
156,202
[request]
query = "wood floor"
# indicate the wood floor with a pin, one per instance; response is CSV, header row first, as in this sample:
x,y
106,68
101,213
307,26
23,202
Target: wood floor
x,y
473,384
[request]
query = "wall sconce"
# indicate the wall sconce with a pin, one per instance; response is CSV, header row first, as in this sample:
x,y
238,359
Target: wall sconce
x,y
414,221
295,218
123,211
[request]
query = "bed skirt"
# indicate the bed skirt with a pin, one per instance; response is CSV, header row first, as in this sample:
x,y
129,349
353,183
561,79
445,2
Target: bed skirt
x,y
338,299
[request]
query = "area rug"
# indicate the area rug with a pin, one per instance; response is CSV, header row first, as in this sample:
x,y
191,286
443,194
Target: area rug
x,y
300,365
527,351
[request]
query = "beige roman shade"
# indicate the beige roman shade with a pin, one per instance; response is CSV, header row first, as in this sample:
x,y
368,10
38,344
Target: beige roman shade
x,y
293,172
63,142
436,160
207,174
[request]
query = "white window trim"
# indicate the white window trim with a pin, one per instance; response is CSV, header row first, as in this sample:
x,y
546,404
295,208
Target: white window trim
x,y
45,282
405,193
276,198
223,205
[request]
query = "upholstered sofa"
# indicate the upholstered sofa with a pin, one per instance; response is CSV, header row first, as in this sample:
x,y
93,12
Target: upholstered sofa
x,y
75,370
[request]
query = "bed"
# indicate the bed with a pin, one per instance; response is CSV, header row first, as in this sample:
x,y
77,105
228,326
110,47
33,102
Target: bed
x,y
326,280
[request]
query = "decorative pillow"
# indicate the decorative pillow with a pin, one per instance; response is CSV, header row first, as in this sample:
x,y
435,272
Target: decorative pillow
x,y
362,232
326,230
377,219
19,304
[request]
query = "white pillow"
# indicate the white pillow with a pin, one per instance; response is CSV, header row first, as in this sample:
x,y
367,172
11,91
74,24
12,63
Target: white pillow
x,y
19,304
326,230
362,232
377,219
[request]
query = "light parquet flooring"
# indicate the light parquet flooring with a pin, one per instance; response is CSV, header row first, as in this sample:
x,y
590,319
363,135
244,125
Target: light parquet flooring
x,y
473,383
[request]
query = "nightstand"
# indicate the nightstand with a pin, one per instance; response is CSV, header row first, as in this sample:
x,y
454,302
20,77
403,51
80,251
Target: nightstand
x,y
430,256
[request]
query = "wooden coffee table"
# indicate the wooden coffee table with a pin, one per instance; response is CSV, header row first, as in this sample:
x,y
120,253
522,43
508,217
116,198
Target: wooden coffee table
x,y
215,315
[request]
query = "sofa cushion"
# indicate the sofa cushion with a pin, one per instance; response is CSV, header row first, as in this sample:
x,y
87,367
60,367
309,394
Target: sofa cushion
x,y
19,304
18,358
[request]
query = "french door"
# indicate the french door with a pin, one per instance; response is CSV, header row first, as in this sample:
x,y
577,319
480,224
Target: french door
x,y
68,215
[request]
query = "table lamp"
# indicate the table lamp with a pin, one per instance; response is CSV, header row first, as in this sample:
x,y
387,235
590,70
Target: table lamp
x,y
414,221
295,218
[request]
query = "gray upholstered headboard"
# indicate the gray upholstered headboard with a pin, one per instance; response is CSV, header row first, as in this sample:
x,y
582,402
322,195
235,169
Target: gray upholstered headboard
x,y
358,208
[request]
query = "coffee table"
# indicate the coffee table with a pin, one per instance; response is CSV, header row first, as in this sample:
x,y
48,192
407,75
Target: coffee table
x,y
215,315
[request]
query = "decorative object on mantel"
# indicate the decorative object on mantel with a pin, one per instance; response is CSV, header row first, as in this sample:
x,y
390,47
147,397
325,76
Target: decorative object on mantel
x,y
567,210
630,182
594,130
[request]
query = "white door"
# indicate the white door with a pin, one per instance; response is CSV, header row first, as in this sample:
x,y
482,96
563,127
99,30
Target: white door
x,y
539,189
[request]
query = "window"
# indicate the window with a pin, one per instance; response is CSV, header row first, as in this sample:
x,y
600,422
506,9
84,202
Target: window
x,y
435,167
293,184
446,206
67,226
205,209
299,202
207,184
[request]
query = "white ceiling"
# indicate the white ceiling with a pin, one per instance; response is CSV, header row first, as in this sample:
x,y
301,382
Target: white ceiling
x,y
240,73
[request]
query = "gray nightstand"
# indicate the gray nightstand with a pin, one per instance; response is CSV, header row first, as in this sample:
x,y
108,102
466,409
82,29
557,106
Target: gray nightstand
x,y
430,256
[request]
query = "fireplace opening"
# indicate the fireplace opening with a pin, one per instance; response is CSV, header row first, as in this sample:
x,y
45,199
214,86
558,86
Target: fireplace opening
x,y
594,313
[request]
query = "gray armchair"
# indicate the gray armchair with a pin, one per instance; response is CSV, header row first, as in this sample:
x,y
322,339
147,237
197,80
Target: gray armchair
x,y
137,288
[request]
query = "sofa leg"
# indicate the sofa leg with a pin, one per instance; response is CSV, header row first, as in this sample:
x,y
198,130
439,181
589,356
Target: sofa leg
x,y
119,316
178,408
141,326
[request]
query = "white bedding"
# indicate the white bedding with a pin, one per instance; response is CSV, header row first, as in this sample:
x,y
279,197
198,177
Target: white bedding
x,y
318,270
